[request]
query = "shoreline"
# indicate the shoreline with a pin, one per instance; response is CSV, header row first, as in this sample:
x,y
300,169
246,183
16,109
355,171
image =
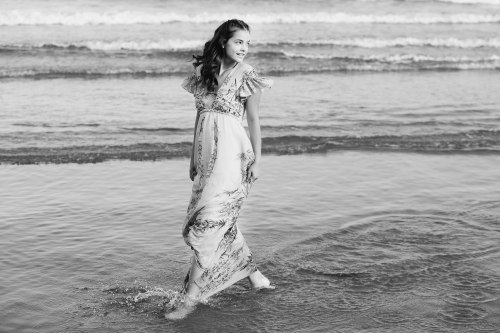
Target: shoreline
x,y
157,156
484,143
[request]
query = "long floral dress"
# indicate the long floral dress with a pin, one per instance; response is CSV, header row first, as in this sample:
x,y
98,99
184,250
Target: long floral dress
x,y
222,154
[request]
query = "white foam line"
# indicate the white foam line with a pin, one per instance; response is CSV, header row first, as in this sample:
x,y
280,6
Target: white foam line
x,y
406,41
400,58
12,18
474,2
180,45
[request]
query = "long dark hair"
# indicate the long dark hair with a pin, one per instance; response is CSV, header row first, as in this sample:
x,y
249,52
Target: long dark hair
x,y
213,52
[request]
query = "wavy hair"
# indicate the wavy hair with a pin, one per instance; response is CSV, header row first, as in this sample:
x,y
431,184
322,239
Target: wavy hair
x,y
213,52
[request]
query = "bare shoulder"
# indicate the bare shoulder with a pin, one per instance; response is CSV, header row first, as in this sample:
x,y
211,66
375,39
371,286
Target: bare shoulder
x,y
198,70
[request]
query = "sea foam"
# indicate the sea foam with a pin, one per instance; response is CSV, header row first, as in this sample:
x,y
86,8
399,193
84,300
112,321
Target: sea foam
x,y
474,2
325,63
409,41
398,58
173,45
12,18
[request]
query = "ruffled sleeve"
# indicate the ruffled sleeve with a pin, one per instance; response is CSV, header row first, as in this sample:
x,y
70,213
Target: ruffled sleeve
x,y
252,82
190,83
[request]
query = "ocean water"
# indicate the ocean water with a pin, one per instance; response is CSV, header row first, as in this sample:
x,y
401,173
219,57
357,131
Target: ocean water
x,y
378,208
93,81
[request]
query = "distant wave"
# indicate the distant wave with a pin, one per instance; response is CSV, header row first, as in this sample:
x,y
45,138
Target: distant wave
x,y
407,61
58,73
75,125
145,45
477,142
395,58
116,45
403,42
196,45
159,129
290,63
12,18
62,125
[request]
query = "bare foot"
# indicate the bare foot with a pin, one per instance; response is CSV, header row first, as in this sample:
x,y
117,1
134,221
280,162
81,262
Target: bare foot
x,y
183,310
259,281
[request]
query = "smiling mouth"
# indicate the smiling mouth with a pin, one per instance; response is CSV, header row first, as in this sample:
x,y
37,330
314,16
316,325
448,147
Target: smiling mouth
x,y
240,54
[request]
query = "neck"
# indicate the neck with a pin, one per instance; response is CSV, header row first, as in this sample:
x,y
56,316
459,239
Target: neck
x,y
226,64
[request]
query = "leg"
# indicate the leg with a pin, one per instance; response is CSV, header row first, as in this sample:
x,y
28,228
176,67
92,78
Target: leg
x,y
190,298
195,272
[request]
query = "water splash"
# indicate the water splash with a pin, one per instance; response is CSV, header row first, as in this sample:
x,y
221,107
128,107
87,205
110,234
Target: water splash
x,y
141,299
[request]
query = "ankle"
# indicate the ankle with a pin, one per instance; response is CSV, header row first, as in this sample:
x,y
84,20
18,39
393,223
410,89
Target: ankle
x,y
255,275
190,300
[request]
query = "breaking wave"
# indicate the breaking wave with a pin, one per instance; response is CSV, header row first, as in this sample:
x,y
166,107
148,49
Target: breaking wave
x,y
404,42
68,73
397,58
12,18
287,62
473,2
172,45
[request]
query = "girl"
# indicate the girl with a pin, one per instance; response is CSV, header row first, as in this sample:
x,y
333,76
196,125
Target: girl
x,y
224,164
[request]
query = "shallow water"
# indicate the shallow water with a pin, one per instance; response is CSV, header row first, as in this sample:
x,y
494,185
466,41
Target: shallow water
x,y
353,241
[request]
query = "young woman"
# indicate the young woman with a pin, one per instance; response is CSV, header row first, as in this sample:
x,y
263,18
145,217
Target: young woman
x,y
224,164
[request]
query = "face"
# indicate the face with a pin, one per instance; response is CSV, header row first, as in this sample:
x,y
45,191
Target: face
x,y
236,48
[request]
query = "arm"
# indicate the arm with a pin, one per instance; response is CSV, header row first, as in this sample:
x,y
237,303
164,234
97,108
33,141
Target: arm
x,y
252,108
192,166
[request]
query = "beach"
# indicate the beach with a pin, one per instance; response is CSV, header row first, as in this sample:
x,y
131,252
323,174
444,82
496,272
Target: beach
x,y
377,208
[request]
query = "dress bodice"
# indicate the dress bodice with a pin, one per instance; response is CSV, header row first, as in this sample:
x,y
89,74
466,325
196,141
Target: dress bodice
x,y
242,82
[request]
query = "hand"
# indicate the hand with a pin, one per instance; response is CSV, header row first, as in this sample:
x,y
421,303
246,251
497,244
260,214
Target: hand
x,y
253,173
192,170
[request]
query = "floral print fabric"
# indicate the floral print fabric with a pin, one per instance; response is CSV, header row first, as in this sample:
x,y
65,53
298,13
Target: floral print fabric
x,y
222,155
